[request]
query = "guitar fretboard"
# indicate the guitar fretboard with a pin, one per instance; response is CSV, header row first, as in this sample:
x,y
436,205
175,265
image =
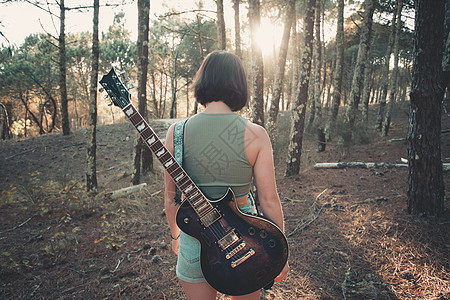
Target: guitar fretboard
x,y
189,189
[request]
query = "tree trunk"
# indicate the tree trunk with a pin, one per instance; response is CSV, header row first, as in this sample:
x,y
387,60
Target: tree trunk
x,y
317,66
237,28
425,180
393,87
173,86
385,75
257,102
142,153
62,71
363,50
296,56
279,77
446,54
314,96
221,35
299,108
4,123
366,94
339,70
91,168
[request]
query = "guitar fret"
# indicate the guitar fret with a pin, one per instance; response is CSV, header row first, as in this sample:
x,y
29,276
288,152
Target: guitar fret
x,y
141,126
175,171
157,149
201,200
165,158
129,111
191,197
151,140
147,133
160,152
188,189
135,118
185,184
182,181
156,146
168,163
201,208
179,177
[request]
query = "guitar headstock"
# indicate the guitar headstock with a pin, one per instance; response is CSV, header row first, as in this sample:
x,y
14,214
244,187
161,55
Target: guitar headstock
x,y
116,90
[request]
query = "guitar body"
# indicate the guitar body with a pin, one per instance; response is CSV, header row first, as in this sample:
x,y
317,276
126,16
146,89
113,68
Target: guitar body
x,y
257,249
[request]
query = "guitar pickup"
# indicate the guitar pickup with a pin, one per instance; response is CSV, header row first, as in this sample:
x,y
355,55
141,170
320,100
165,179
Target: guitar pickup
x,y
229,239
210,218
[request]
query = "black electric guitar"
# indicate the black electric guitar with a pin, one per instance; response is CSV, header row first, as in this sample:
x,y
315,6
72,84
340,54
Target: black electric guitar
x,y
240,253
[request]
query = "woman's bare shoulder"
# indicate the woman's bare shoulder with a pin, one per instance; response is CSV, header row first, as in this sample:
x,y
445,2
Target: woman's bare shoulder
x,y
257,131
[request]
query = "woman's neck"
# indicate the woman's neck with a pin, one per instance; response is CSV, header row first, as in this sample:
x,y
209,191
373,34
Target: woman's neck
x,y
217,107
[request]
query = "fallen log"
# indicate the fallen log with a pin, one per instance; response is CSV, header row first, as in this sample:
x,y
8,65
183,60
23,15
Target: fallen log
x,y
367,165
126,191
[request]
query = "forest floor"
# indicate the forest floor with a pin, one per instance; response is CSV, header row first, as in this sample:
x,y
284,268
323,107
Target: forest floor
x,y
349,232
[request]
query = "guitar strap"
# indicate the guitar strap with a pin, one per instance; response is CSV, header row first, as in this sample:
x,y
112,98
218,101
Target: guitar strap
x,y
178,139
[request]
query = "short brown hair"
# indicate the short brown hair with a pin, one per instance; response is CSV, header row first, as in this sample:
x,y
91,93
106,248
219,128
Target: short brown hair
x,y
221,77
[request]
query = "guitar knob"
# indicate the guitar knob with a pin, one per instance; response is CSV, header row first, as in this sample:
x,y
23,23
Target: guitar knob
x,y
251,231
263,234
272,243
186,220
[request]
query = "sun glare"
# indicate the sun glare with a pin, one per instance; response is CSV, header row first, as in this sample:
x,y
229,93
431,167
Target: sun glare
x,y
268,37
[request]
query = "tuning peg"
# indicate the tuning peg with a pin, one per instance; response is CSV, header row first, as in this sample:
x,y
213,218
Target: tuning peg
x,y
106,96
101,89
109,103
131,86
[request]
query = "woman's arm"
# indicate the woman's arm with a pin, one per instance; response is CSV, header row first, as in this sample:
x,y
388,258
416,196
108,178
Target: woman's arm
x,y
169,194
260,155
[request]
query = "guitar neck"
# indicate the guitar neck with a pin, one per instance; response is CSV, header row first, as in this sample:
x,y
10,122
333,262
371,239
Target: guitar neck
x,y
189,189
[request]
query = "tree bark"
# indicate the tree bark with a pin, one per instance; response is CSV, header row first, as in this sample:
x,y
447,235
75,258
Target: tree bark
x,y
142,153
221,34
62,71
279,77
314,96
237,28
339,70
385,75
299,108
173,86
4,123
363,50
257,101
393,87
425,180
91,168
366,94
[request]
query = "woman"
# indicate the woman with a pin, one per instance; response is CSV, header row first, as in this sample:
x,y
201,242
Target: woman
x,y
221,150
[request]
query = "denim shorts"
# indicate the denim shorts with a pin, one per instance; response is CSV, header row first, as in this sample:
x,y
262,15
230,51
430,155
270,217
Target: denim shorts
x,y
188,262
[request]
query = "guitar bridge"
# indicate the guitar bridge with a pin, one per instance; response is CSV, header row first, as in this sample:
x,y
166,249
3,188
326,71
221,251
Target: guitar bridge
x,y
236,250
243,258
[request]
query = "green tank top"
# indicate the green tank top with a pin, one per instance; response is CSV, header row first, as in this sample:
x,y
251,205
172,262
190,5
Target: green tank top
x,y
214,154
